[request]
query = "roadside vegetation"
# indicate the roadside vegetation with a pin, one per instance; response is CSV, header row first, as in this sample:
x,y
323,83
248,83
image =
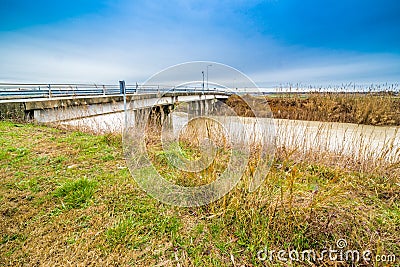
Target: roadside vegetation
x,y
374,108
67,198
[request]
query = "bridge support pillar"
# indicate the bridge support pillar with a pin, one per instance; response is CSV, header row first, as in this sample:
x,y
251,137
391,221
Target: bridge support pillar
x,y
160,116
201,108
140,116
208,106
194,109
205,107
167,121
211,105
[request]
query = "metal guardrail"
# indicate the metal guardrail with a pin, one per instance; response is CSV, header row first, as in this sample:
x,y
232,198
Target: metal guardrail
x,y
9,90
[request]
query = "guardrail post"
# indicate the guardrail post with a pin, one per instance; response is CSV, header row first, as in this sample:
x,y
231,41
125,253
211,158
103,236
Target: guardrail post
x,y
122,87
122,90
50,95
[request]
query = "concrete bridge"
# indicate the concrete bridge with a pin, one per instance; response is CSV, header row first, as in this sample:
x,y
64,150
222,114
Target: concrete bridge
x,y
75,104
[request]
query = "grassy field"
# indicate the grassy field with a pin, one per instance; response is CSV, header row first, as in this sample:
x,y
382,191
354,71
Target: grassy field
x,y
67,198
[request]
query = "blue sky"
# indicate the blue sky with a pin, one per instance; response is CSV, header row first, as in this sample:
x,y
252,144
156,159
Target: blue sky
x,y
273,42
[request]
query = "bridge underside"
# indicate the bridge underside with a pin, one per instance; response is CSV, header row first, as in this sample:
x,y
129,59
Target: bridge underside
x,y
71,108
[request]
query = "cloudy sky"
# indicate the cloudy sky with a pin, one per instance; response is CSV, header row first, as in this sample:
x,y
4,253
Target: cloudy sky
x,y
276,41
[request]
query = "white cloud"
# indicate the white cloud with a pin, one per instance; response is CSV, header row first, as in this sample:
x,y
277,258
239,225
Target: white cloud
x,y
133,42
346,68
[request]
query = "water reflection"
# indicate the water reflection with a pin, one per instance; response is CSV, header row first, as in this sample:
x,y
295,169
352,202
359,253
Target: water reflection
x,y
351,139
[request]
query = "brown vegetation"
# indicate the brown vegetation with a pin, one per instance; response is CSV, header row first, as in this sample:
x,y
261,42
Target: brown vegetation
x,y
67,198
371,109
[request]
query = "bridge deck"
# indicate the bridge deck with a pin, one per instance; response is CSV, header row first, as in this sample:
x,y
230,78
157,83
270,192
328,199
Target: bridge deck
x,y
39,108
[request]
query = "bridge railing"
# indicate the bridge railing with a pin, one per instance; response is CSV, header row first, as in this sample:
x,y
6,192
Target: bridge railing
x,y
171,88
13,90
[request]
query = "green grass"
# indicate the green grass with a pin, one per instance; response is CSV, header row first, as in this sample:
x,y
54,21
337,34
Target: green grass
x,y
76,193
66,197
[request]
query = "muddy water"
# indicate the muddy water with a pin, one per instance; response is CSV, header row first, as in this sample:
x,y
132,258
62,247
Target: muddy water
x,y
360,141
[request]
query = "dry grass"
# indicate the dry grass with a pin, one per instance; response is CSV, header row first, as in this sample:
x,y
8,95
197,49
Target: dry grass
x,y
369,109
67,197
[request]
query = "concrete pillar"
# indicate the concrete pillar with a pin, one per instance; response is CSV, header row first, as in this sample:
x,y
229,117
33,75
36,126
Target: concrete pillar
x,y
155,116
206,107
192,111
133,116
202,107
160,115
139,117
211,105
199,108
167,120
